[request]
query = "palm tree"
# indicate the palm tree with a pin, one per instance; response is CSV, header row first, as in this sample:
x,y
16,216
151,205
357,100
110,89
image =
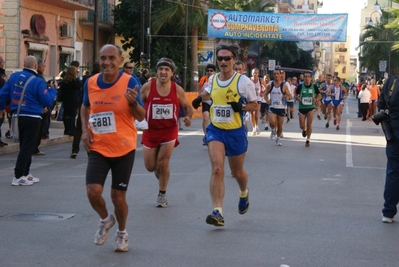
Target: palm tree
x,y
376,44
173,15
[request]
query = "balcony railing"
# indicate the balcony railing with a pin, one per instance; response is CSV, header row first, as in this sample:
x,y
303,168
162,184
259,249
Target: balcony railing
x,y
341,49
105,15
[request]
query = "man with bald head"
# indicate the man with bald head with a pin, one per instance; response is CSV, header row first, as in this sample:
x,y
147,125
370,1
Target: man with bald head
x,y
36,96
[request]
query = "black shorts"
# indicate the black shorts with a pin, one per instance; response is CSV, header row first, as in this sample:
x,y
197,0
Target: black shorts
x,y
263,107
305,111
278,111
121,169
205,107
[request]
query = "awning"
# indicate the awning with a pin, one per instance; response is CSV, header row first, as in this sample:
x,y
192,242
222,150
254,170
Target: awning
x,y
67,49
37,46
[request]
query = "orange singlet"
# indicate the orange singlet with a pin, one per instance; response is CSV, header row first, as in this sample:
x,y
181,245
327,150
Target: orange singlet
x,y
110,121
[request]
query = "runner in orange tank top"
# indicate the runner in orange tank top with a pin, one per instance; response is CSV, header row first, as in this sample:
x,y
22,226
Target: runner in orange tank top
x,y
162,99
109,136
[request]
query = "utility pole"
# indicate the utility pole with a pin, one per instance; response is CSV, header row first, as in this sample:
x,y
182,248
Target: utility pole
x,y
184,83
95,35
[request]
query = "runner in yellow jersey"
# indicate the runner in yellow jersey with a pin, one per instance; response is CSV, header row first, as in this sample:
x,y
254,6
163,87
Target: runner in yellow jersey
x,y
232,94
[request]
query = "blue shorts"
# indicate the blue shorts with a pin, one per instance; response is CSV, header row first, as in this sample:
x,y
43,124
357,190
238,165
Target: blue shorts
x,y
336,103
326,102
235,141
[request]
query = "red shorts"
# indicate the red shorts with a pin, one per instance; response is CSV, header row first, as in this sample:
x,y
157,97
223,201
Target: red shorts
x,y
152,138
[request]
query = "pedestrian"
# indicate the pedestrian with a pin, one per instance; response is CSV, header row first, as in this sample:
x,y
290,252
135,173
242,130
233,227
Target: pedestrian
x,y
109,107
232,94
145,73
307,95
259,85
78,129
70,90
389,103
3,79
364,96
36,96
162,98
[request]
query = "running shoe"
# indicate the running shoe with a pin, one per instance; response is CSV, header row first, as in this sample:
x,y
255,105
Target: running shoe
x,y
288,120
162,201
32,179
325,116
257,130
103,229
21,181
278,143
307,143
337,127
318,117
204,143
387,219
273,134
304,133
243,204
215,218
327,125
121,242
266,127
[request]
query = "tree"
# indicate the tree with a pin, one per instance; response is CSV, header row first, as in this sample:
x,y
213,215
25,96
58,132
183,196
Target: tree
x,y
376,44
173,15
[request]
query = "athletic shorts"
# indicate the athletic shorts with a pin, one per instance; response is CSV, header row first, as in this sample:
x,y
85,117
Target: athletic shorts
x,y
264,107
326,102
121,167
278,111
336,103
290,104
305,111
235,141
152,138
205,107
373,101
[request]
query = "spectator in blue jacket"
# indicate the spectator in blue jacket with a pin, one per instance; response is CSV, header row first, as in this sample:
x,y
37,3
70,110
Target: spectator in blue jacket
x,y
37,96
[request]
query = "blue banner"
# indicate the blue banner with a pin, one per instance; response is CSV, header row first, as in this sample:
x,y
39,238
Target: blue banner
x,y
277,27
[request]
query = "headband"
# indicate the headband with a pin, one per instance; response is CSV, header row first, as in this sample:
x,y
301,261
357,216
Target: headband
x,y
166,64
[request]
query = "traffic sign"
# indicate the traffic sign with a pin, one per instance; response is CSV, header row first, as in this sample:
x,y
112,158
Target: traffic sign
x,y
383,65
272,64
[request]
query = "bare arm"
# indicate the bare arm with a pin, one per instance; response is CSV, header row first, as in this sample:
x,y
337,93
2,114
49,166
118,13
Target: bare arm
x,y
286,92
136,110
185,104
87,137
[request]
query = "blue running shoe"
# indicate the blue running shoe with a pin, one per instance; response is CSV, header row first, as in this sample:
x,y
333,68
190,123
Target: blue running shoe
x,y
243,204
215,218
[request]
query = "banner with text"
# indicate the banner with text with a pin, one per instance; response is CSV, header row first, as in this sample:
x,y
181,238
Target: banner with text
x,y
278,27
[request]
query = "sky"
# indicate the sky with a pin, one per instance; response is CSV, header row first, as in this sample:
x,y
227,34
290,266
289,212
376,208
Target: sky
x,y
353,8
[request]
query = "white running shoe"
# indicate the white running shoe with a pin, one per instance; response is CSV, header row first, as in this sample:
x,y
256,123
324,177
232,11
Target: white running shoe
x,y
32,179
387,220
273,134
141,125
278,143
102,232
253,133
21,181
121,242
257,130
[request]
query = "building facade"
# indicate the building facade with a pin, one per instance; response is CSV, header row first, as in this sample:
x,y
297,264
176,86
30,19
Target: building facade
x,y
57,32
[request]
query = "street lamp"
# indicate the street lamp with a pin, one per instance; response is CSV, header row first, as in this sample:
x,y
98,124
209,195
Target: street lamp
x,y
371,22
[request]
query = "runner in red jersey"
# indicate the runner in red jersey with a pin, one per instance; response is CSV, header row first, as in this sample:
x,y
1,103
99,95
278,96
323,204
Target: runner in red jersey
x,y
162,99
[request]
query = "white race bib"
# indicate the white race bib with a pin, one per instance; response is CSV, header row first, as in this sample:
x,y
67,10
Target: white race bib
x,y
162,111
223,113
103,122
307,101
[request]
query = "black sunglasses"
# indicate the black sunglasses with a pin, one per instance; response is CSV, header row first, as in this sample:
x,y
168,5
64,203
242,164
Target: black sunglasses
x,y
210,70
227,58
128,67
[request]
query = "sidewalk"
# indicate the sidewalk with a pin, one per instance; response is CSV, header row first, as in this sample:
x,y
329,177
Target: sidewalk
x,y
56,137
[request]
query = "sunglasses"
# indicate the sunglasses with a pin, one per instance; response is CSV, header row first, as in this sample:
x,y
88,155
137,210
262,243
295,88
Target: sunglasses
x,y
128,67
227,58
211,70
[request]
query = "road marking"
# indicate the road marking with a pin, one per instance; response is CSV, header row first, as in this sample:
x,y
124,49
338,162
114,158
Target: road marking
x,y
349,155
